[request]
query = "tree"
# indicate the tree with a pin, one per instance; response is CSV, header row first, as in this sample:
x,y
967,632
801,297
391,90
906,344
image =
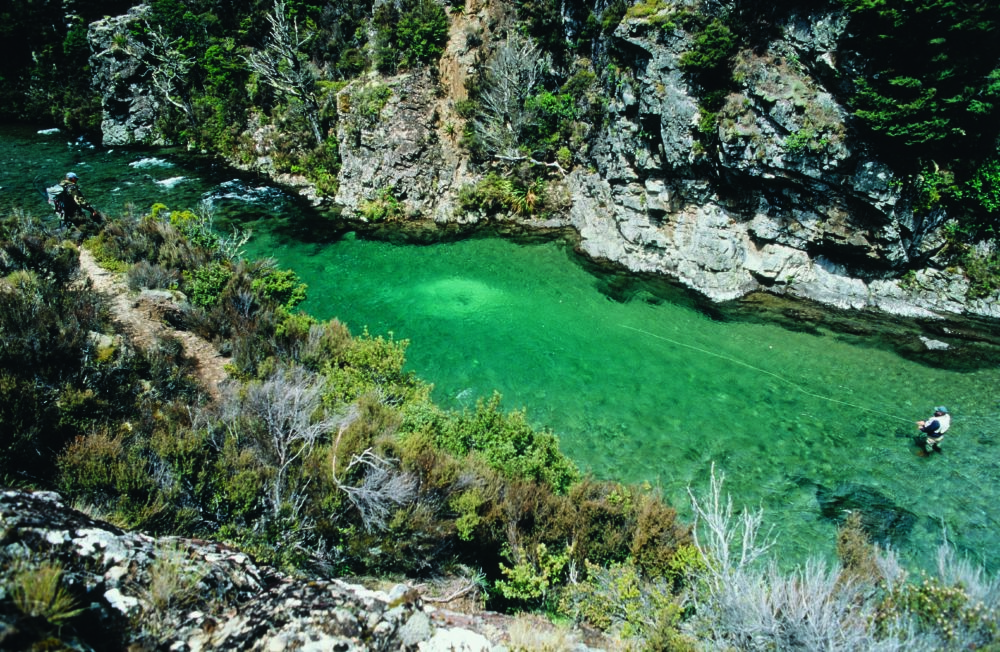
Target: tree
x,y
506,117
170,69
288,406
283,66
929,79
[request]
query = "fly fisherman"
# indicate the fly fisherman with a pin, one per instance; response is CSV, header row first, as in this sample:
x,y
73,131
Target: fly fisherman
x,y
935,427
69,202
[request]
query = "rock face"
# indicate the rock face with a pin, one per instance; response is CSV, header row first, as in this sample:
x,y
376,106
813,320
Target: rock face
x,y
139,592
794,204
121,74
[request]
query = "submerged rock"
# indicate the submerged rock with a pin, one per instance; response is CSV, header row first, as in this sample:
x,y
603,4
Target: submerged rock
x,y
882,519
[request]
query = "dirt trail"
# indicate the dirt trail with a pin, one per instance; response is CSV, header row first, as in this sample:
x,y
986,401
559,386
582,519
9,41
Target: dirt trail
x,y
141,320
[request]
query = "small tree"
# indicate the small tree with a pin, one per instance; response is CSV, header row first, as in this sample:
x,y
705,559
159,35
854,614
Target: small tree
x,y
288,405
507,119
282,66
169,71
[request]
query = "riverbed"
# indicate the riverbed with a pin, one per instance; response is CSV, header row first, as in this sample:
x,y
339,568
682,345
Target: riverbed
x,y
639,381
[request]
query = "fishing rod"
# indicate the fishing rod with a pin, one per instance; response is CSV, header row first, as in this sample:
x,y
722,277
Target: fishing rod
x,y
793,384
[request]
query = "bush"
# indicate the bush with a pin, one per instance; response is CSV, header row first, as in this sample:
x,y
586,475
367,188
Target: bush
x,y
409,33
508,445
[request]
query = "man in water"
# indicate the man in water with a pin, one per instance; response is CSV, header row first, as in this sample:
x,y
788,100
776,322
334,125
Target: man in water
x,y
69,202
934,428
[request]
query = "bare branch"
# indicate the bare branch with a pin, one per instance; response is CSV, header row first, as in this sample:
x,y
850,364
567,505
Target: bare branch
x,y
511,75
382,486
282,66
170,70
289,405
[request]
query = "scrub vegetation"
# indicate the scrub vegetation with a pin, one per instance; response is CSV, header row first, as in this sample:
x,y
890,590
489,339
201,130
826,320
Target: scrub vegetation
x,y
323,456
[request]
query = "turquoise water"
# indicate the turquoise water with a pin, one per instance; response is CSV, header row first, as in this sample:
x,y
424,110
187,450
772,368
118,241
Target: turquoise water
x,y
641,390
652,391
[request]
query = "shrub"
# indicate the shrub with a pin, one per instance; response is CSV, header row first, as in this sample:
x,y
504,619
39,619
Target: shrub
x,y
617,599
495,194
533,574
204,285
711,49
409,33
383,207
281,287
146,275
508,445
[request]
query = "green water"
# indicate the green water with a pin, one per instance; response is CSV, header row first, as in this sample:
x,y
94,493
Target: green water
x,y
650,391
642,390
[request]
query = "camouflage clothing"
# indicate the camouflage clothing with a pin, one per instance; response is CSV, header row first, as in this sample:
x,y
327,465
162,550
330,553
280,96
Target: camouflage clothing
x,y
72,207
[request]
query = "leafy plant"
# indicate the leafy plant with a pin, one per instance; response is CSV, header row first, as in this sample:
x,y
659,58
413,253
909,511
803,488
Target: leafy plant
x,y
384,207
409,33
532,575
925,84
204,285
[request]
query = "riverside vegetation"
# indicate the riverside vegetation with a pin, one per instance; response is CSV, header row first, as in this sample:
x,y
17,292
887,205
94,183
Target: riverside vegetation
x,y
323,457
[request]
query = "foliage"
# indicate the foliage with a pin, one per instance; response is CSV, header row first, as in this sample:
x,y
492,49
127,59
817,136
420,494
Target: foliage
x,y
942,612
205,284
617,599
508,444
712,47
384,207
409,34
495,194
280,286
926,85
532,575
984,186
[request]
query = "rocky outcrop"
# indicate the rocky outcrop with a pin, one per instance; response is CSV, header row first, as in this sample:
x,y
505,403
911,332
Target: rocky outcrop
x,y
130,590
122,77
793,204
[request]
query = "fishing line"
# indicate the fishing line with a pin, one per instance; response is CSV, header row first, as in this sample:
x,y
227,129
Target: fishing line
x,y
793,384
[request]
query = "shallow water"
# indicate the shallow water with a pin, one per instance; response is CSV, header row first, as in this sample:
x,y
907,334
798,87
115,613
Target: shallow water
x,y
640,389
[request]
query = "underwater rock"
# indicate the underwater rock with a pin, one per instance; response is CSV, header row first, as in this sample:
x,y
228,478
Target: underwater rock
x,y
882,519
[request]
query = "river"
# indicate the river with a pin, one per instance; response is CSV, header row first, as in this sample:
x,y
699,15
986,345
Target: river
x,y
639,384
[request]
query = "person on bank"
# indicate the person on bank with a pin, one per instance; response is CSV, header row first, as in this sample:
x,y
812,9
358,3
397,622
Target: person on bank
x,y
934,428
69,202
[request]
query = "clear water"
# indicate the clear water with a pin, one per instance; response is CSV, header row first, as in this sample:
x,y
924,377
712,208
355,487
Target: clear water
x,y
642,390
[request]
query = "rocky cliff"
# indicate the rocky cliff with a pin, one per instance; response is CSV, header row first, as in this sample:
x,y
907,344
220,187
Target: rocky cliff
x,y
793,200
71,578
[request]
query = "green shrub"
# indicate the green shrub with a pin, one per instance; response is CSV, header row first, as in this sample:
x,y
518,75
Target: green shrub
x,y
925,85
617,599
533,574
495,194
942,610
409,34
508,444
204,285
281,287
383,208
712,48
